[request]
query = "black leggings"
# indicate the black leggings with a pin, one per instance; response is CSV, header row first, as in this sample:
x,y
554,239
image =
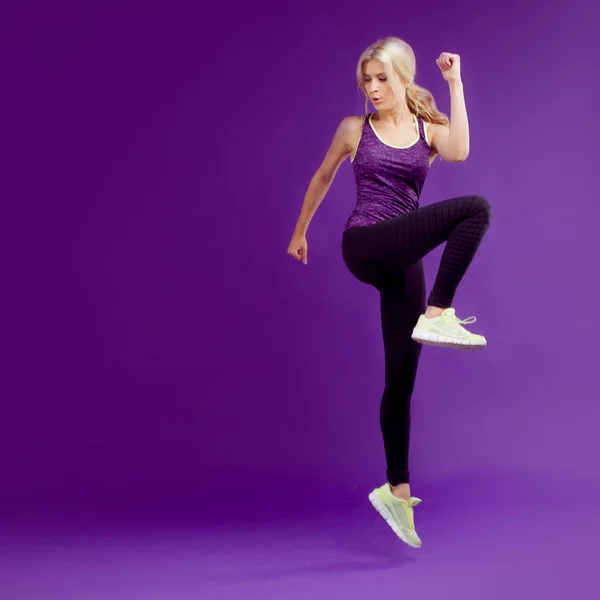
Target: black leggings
x,y
388,255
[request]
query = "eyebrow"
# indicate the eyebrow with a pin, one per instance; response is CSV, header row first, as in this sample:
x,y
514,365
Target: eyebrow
x,y
376,74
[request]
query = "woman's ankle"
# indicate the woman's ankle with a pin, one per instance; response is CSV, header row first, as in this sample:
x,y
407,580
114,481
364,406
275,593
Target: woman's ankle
x,y
401,491
433,311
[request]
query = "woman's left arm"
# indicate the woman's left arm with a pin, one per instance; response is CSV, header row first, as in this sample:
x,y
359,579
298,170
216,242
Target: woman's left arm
x,y
452,143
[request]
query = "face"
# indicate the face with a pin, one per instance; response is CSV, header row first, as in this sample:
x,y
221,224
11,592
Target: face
x,y
377,86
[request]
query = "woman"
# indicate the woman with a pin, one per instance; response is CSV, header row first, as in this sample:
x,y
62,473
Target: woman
x,y
388,234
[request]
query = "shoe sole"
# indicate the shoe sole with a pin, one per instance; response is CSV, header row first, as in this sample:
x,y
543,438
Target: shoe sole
x,y
381,508
433,339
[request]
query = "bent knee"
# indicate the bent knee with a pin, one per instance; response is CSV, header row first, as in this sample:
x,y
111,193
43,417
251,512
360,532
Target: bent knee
x,y
482,207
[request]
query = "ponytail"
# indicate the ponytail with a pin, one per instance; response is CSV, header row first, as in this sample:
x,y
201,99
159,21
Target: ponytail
x,y
421,103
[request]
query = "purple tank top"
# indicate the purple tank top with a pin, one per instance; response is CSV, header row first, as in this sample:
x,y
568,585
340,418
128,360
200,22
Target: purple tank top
x,y
389,180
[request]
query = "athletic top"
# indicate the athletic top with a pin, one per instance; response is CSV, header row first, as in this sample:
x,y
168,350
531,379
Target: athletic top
x,y
389,179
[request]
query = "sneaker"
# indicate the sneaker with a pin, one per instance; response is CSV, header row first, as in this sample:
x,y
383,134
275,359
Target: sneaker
x,y
447,330
397,513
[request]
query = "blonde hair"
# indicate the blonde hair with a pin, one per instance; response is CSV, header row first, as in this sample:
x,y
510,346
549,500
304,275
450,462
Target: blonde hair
x,y
399,62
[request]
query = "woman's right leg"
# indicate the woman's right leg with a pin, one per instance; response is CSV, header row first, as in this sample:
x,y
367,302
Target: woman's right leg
x,y
402,301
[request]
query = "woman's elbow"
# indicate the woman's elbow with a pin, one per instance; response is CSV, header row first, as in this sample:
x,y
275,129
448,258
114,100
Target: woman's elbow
x,y
459,157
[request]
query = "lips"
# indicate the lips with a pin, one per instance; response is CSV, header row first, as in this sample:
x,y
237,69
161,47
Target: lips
x,y
376,99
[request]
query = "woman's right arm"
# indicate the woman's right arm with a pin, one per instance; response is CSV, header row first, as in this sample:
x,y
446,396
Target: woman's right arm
x,y
344,142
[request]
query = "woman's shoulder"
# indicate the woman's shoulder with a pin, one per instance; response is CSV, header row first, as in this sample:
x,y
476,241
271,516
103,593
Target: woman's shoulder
x,y
350,129
352,123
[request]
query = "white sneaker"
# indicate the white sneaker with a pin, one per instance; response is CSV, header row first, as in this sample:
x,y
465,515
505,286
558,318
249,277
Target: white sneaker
x,y
446,330
397,513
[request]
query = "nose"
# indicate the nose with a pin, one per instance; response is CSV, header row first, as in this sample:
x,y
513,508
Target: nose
x,y
371,88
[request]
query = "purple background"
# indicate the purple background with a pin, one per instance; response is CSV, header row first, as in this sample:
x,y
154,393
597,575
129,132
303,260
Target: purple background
x,y
164,358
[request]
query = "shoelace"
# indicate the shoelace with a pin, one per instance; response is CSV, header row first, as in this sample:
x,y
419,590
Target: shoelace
x,y
409,513
466,321
408,508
